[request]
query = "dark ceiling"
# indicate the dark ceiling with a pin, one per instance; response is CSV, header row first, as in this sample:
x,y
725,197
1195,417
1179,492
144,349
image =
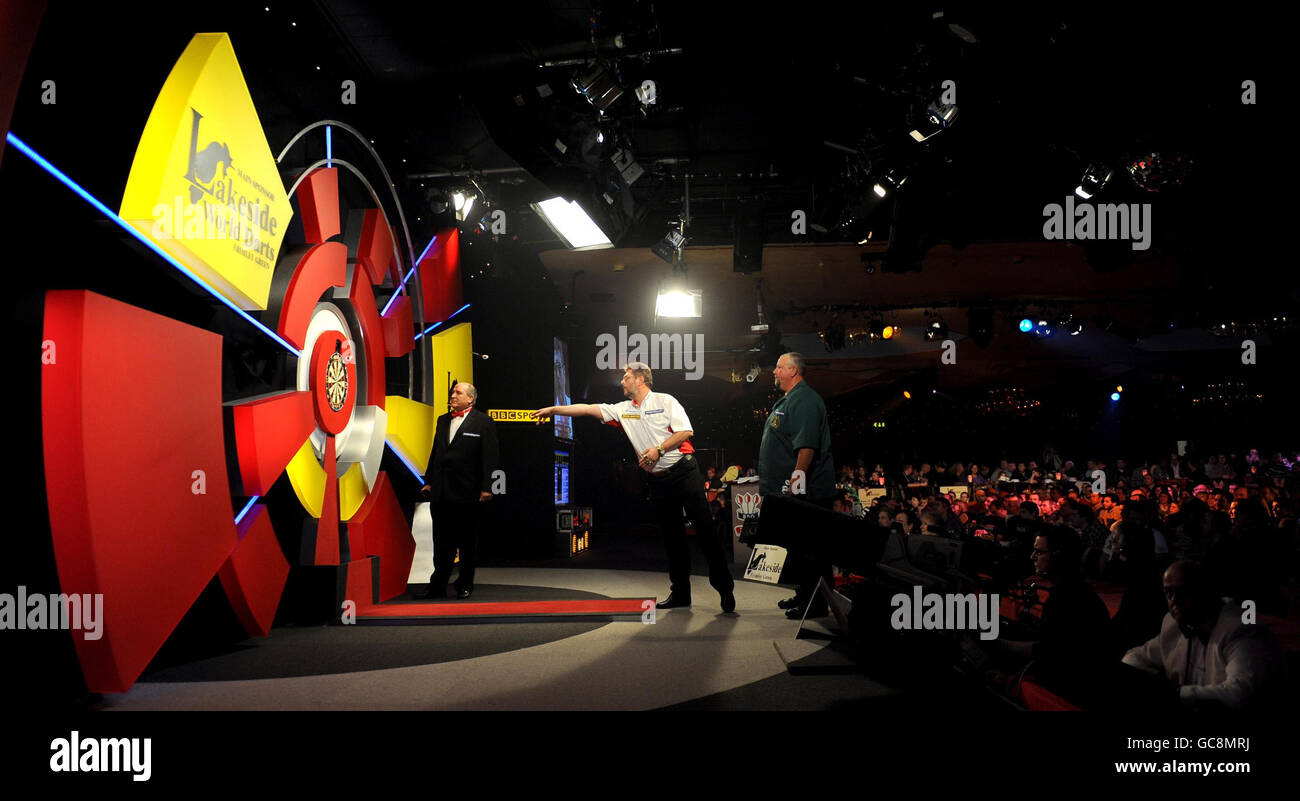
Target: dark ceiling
x,y
779,109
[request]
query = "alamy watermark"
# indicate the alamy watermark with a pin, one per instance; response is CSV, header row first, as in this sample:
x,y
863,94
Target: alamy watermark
x,y
660,351
73,754
58,611
932,611
1107,221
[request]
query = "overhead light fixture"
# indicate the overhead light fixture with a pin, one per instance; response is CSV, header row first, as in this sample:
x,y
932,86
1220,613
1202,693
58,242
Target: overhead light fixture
x,y
571,224
679,303
463,203
669,247
892,180
939,116
937,330
888,332
1026,325
1094,180
597,85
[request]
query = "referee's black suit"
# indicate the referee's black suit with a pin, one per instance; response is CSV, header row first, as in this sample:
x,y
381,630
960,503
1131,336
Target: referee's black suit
x,y
458,471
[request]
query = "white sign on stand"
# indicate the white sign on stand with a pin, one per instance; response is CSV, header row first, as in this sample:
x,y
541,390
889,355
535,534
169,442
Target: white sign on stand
x,y
765,564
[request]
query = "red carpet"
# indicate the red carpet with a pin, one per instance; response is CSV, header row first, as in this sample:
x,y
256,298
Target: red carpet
x,y
434,611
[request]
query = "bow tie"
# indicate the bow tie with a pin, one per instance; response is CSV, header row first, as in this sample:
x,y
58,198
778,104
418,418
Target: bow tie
x,y
460,414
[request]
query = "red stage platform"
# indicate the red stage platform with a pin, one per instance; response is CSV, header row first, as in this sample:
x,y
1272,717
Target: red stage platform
x,y
450,611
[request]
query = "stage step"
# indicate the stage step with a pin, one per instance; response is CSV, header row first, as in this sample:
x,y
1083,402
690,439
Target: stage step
x,y
451,611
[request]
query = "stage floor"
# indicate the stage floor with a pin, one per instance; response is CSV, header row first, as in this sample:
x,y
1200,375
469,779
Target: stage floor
x,y
685,655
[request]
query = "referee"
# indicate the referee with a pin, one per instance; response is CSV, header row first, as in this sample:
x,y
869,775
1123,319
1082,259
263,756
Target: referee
x,y
658,428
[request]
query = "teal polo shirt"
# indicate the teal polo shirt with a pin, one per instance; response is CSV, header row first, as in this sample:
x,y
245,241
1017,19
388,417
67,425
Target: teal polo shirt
x,y
798,420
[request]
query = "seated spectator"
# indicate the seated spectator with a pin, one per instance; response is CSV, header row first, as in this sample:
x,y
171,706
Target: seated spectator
x,y
1109,513
1214,658
907,522
1142,608
930,524
1069,650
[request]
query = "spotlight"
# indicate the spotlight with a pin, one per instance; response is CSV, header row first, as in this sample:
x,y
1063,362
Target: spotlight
x,y
1026,325
1119,388
937,329
1094,180
668,247
907,394
597,85
675,300
1044,329
938,117
888,332
1114,396
892,181
752,375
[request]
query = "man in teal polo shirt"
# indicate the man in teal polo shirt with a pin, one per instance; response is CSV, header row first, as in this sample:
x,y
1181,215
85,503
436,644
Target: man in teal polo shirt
x,y
795,457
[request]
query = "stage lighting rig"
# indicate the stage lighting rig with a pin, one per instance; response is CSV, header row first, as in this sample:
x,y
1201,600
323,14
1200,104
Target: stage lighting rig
x,y
938,117
1095,178
892,181
597,85
937,330
669,248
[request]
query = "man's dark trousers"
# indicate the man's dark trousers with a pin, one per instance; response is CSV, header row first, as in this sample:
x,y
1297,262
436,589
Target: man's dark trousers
x,y
456,527
682,486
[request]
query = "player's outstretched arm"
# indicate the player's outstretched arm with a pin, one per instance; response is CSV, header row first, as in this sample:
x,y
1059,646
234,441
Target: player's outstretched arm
x,y
574,410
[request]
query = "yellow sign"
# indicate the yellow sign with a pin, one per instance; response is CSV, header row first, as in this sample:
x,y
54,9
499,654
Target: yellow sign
x,y
515,415
204,185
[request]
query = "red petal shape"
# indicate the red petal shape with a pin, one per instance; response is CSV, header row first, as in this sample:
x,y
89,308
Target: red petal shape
x,y
268,432
130,413
254,575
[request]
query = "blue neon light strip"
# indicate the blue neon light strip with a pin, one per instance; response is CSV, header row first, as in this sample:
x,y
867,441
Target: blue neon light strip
x,y
397,293
110,214
329,146
247,506
435,325
423,253
418,475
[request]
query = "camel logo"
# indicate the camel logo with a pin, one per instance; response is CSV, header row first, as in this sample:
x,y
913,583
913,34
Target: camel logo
x,y
203,163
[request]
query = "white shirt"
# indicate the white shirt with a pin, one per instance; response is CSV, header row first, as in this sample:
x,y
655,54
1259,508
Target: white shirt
x,y
454,427
650,423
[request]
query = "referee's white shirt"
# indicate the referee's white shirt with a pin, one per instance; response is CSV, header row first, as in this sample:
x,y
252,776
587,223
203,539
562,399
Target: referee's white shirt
x,y
650,423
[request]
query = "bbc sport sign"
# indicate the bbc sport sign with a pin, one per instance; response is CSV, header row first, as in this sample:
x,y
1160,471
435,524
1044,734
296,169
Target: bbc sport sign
x,y
514,415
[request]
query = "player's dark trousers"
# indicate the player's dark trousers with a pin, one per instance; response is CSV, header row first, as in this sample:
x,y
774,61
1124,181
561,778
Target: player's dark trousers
x,y
455,527
682,487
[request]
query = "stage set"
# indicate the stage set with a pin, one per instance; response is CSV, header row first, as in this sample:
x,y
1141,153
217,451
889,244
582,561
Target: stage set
x,y
204,489
266,265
